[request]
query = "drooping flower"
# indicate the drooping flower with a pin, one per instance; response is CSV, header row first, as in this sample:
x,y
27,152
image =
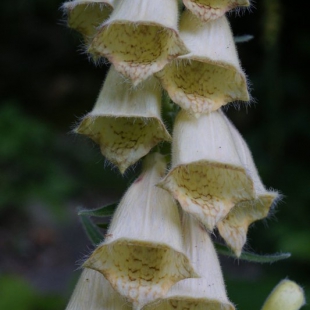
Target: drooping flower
x,y
94,292
125,121
211,9
207,176
207,292
143,255
140,37
235,226
210,75
86,15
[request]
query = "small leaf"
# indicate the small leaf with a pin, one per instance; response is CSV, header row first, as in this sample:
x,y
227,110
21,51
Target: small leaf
x,y
107,210
251,257
91,230
244,38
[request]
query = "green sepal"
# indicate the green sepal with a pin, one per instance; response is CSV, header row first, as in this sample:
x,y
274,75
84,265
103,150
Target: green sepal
x,y
251,257
103,225
104,211
244,38
91,230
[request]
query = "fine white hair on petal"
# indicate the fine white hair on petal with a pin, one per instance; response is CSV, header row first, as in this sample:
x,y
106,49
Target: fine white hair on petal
x,y
207,176
235,226
208,10
140,37
143,253
210,76
207,292
86,15
94,292
125,121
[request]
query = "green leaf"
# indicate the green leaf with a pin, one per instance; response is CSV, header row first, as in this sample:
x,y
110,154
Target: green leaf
x,y
107,210
91,230
251,257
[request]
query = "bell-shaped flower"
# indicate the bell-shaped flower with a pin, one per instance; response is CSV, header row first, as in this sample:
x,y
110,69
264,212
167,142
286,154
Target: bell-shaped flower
x,y
235,226
207,176
86,15
94,292
207,292
211,9
210,75
125,121
143,253
140,37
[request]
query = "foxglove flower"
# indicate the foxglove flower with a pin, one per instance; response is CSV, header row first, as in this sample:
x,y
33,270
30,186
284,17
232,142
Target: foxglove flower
x,y
94,292
207,176
210,75
234,227
140,37
125,121
86,15
211,9
142,255
207,292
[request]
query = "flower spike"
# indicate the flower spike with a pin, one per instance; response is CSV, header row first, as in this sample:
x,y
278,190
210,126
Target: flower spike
x,y
208,10
207,292
207,176
142,255
86,15
125,121
94,292
234,227
140,37
210,75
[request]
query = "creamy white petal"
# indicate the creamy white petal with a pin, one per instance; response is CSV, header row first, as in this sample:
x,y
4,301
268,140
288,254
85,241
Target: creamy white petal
x,y
140,37
207,176
86,15
125,121
143,255
207,292
210,75
208,10
94,292
235,226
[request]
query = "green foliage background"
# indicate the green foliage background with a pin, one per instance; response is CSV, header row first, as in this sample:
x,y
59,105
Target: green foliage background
x,y
47,83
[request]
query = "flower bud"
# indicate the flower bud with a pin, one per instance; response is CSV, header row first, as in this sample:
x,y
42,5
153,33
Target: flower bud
x,y
86,15
94,292
140,37
143,255
234,227
207,292
210,75
211,9
207,176
125,121
287,295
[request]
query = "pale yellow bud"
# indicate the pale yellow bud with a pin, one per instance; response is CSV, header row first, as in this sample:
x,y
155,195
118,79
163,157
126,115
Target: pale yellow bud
x,y
207,176
210,75
211,9
234,227
125,121
143,254
287,295
207,292
86,15
94,292
140,37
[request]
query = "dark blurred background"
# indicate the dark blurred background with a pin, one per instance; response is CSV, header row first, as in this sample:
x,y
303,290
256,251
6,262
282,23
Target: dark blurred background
x,y
47,83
